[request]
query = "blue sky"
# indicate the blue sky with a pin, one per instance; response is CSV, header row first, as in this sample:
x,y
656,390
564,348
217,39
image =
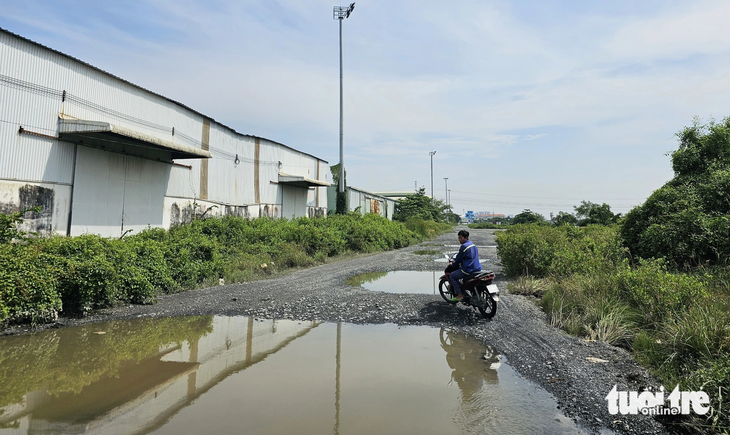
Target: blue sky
x,y
528,104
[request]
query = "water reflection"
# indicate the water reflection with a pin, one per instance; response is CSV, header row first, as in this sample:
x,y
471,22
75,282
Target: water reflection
x,y
237,374
398,282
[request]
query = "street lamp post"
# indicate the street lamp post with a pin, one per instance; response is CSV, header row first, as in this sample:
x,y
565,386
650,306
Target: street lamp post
x,y
431,153
446,189
448,198
340,13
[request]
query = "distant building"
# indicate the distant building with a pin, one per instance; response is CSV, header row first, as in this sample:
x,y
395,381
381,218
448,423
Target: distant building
x,y
367,202
470,216
488,215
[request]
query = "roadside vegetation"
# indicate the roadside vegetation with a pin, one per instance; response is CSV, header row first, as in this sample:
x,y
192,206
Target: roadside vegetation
x,y
656,282
41,278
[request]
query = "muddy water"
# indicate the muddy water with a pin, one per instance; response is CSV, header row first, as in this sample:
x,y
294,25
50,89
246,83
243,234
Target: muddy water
x,y
398,282
239,375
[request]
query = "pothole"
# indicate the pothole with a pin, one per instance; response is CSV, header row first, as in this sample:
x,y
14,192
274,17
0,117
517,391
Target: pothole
x,y
227,374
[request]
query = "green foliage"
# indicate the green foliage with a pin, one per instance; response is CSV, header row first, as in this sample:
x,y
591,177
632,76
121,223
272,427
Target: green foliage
x,y
420,206
41,277
655,292
675,323
426,229
589,213
341,205
487,226
687,221
563,218
9,224
527,217
544,251
28,284
692,348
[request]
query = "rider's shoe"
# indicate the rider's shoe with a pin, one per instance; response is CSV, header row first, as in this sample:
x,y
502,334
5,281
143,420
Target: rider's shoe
x,y
456,299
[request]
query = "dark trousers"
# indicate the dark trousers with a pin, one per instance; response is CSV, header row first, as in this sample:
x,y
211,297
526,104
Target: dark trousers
x,y
454,278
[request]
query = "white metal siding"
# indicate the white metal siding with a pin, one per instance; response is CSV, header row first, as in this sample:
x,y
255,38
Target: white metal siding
x,y
34,81
114,193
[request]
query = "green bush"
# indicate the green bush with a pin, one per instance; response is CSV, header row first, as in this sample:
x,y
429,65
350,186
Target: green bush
x,y
542,251
687,221
41,277
28,284
657,293
488,226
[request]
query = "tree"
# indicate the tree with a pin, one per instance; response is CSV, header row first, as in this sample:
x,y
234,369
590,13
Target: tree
x,y
527,217
419,206
564,218
687,221
591,213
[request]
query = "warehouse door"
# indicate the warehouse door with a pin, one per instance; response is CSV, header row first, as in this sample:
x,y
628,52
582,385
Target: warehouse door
x,y
114,193
294,201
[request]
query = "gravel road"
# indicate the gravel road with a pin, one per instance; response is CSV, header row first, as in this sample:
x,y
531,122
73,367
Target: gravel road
x,y
556,361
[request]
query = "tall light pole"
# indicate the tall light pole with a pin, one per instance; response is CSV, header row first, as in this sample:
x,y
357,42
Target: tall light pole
x,y
446,189
431,153
448,199
340,13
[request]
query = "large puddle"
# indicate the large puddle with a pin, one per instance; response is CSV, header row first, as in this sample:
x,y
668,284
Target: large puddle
x,y
239,375
398,282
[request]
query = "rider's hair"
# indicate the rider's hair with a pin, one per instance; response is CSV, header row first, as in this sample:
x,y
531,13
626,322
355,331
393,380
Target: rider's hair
x,y
464,234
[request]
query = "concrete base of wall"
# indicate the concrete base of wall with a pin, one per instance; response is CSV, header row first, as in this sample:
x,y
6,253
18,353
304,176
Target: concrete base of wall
x,y
54,200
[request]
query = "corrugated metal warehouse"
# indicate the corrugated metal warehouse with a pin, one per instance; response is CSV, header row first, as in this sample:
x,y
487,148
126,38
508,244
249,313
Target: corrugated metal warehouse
x,y
102,155
366,202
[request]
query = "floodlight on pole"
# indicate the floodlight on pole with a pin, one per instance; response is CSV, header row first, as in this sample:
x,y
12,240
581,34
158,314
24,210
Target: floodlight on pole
x,y
340,13
431,153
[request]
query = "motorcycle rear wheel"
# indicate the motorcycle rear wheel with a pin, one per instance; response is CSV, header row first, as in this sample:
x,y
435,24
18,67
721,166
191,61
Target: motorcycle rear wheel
x,y
489,309
445,290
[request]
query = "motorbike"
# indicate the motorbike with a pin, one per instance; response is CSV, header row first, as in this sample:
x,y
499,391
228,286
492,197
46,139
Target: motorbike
x,y
478,290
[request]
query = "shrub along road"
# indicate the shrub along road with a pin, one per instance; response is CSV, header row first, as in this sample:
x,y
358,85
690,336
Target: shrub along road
x,y
564,365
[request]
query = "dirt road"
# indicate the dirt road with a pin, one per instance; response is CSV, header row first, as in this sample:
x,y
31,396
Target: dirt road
x,y
556,361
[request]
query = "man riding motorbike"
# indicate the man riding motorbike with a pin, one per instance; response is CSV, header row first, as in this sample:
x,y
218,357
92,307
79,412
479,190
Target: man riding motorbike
x,y
466,263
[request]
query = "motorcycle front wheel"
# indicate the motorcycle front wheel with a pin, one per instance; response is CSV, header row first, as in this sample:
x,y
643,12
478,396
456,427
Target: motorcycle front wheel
x,y
445,290
489,309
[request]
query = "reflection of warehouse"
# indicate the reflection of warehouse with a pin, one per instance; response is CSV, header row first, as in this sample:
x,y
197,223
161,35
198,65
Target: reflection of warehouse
x,y
144,396
102,155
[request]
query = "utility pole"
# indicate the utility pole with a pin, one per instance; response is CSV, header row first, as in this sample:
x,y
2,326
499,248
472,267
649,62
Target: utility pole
x,y
431,153
446,189
340,13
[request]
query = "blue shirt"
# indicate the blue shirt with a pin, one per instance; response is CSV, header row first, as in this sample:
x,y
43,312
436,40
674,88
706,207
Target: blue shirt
x,y
468,258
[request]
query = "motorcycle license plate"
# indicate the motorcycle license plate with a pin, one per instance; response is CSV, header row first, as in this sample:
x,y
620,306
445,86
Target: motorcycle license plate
x,y
492,289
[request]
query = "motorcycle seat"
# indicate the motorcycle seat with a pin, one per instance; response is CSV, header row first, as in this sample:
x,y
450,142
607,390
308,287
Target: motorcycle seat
x,y
482,273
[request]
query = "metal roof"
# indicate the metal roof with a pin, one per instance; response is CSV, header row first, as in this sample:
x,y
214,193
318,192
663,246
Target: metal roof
x,y
153,93
77,130
300,181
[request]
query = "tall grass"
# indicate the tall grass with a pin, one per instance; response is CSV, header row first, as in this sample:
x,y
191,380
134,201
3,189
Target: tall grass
x,y
676,324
